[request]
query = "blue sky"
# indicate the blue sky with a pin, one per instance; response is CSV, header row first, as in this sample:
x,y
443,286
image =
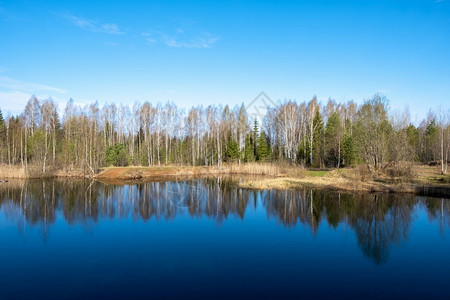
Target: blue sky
x,y
206,52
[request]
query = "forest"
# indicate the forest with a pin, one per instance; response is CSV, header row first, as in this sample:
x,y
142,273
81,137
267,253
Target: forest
x,y
309,134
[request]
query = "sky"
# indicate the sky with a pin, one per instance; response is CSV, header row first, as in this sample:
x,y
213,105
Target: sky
x,y
211,52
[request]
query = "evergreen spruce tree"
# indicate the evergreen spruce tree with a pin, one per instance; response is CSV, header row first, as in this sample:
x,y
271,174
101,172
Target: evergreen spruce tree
x,y
249,155
348,150
332,133
318,141
116,155
431,136
302,154
2,125
263,148
233,149
255,137
412,135
2,137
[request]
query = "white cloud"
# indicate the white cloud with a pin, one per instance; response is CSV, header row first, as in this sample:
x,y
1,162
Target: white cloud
x,y
197,42
13,102
111,29
181,38
29,87
14,94
93,26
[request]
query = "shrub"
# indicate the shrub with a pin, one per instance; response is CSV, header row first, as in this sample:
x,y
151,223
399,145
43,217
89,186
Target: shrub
x,y
116,155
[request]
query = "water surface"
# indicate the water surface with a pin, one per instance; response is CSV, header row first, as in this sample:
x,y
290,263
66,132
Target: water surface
x,y
205,238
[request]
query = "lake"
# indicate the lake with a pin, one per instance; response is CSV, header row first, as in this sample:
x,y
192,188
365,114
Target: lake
x,y
205,238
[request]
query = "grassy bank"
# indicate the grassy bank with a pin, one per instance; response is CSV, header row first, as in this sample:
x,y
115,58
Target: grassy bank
x,y
17,172
424,180
151,173
7,172
419,179
340,180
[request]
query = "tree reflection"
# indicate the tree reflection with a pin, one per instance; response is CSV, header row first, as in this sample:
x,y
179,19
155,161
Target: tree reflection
x,y
379,221
290,207
438,209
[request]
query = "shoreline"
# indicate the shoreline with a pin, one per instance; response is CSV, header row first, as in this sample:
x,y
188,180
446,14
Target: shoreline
x,y
271,177
342,185
283,178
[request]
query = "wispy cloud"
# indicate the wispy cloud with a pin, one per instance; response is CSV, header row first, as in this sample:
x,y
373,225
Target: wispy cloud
x,y
27,87
196,42
91,25
181,38
13,102
15,93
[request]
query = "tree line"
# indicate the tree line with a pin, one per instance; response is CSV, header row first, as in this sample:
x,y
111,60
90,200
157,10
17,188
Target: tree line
x,y
308,133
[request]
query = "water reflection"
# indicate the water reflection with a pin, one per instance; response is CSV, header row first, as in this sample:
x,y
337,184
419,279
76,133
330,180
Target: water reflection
x,y
379,221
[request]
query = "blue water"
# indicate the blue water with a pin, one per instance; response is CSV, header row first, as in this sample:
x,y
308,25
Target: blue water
x,y
204,238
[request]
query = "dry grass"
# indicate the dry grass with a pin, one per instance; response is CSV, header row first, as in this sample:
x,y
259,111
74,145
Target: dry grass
x,y
408,179
338,180
7,171
320,179
129,173
431,175
69,173
284,176
428,181
33,171
268,169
